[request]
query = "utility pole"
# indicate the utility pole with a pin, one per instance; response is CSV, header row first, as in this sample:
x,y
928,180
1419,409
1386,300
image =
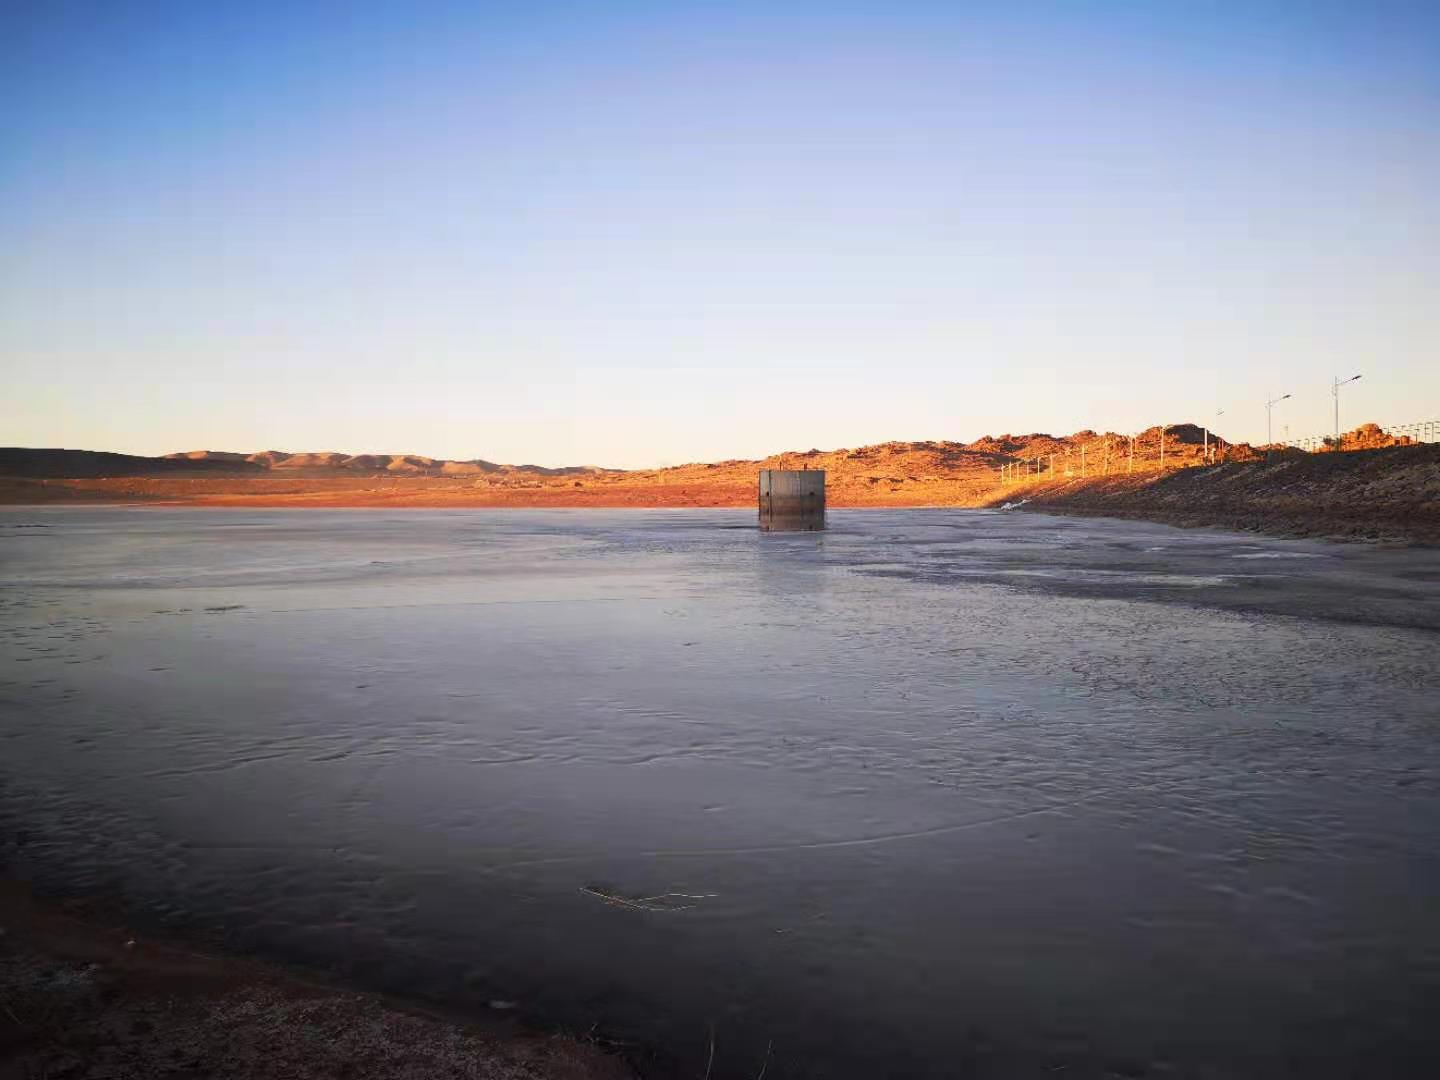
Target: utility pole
x,y
1131,469
1162,446
1269,428
1335,393
1218,413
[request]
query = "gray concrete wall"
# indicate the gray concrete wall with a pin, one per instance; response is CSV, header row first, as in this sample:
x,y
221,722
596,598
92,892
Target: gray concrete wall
x,y
792,500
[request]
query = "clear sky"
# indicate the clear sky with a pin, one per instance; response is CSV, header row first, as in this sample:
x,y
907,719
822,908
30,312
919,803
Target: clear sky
x,y
640,233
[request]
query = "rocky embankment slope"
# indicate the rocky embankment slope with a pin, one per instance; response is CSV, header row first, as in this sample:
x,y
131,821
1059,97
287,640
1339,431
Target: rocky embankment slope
x,y
1391,493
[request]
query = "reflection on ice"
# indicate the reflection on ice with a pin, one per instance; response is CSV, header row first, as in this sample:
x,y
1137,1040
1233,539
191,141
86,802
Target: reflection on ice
x,y
929,787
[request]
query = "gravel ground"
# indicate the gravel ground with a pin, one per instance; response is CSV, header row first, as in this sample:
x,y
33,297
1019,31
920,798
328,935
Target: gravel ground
x,y
81,1000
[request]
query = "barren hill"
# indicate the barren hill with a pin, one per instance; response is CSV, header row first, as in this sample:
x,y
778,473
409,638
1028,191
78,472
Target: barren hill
x,y
19,461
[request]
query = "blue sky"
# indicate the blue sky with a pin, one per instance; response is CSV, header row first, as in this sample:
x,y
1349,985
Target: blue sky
x,y
642,233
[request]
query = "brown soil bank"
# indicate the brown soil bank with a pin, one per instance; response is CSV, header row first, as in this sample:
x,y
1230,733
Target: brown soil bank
x,y
82,1000
1387,494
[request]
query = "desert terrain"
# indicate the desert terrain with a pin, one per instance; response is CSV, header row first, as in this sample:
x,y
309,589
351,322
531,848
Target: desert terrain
x,y
892,474
1350,494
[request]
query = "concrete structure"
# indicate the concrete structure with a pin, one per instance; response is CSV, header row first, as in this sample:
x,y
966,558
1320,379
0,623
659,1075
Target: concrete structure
x,y
792,500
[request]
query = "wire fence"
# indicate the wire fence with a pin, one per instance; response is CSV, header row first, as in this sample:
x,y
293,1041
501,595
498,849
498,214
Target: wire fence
x,y
1422,431
1121,454
1112,455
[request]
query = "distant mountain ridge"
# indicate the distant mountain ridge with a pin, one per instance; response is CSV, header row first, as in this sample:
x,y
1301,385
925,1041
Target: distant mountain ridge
x,y
87,464
976,463
409,464
57,464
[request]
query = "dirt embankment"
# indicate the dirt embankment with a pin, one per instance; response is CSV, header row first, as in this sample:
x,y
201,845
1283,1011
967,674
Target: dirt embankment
x,y
1390,493
82,998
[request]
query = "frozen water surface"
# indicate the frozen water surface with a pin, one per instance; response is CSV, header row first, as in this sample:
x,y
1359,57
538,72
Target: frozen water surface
x,y
933,793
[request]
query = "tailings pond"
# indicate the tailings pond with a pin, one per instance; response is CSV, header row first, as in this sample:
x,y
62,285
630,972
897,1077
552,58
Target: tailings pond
x,y
933,793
